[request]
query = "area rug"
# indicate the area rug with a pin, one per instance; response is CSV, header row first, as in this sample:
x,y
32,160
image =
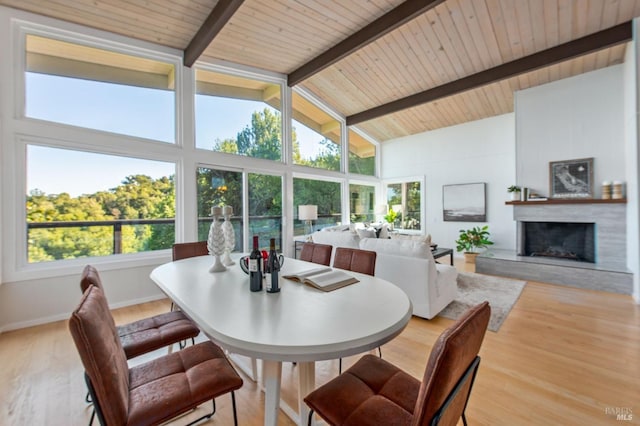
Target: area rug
x,y
502,294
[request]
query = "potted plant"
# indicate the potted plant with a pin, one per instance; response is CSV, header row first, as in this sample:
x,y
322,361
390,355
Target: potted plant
x,y
472,240
391,217
515,192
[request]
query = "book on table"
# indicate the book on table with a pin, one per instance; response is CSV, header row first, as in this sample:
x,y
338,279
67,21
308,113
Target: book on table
x,y
325,279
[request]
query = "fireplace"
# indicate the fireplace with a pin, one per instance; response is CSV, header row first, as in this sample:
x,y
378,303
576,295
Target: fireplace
x,y
592,248
562,240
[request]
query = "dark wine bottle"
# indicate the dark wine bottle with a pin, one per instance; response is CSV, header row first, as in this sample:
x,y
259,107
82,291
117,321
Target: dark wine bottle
x,y
273,267
255,267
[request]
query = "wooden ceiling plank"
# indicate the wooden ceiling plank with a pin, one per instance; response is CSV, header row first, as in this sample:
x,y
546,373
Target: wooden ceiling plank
x,y
118,24
600,40
565,20
499,29
388,22
428,76
538,26
457,26
487,32
445,50
476,35
550,8
217,19
430,48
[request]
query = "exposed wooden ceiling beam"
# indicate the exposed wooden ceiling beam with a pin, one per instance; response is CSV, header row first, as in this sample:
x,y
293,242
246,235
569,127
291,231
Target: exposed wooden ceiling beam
x,y
217,19
386,23
603,39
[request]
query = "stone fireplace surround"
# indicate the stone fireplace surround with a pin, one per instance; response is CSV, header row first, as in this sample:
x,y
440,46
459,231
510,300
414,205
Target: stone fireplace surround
x,y
608,273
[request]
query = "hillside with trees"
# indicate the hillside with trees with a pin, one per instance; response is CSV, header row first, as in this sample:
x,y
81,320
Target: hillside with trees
x,y
141,197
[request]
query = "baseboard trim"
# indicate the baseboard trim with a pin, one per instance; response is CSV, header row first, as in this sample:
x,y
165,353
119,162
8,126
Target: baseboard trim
x,y
65,316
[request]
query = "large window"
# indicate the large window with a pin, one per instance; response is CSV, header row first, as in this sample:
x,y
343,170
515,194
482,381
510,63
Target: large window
x,y
362,203
238,115
99,89
80,204
405,204
324,194
219,188
265,208
99,145
315,135
362,155
225,188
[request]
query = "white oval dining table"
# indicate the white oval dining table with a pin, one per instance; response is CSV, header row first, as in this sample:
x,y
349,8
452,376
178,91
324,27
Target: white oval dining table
x,y
299,323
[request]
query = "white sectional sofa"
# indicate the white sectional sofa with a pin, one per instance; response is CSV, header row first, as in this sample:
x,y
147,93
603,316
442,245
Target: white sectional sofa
x,y
407,263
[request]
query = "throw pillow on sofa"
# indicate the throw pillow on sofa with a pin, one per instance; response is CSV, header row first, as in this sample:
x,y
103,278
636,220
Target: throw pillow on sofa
x,y
398,247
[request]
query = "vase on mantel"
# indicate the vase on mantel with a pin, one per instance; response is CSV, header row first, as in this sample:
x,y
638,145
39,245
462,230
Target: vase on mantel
x,y
215,242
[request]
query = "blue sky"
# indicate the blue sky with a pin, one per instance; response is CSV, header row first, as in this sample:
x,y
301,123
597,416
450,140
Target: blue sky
x,y
121,109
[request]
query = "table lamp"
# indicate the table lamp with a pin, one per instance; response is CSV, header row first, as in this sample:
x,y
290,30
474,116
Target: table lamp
x,y
382,210
308,213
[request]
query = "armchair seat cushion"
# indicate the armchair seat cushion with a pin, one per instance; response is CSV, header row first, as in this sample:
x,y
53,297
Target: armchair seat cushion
x,y
149,334
178,382
372,385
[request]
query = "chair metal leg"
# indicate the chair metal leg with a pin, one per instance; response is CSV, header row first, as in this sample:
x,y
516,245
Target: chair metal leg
x,y
206,416
380,351
310,418
233,403
93,415
340,366
464,419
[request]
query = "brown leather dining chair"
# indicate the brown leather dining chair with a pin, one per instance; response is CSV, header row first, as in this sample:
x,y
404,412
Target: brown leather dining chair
x,y
150,393
375,392
148,334
199,248
356,260
316,253
186,250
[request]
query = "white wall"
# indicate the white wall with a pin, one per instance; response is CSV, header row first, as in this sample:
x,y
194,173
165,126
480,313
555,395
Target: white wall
x,y
632,160
33,302
479,151
577,117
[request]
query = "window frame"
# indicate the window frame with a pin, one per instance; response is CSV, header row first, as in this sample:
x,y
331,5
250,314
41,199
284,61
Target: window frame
x,y
23,29
408,179
18,131
21,131
245,72
315,101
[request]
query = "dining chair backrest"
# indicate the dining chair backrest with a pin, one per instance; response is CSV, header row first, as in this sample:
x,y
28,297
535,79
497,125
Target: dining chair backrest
x,y
96,338
451,369
90,277
356,260
316,253
186,250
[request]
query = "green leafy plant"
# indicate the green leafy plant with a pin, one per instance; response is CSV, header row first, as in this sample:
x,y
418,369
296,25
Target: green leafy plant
x,y
514,188
470,240
391,216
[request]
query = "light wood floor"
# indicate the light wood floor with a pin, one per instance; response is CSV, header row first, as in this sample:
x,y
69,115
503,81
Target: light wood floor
x,y
562,357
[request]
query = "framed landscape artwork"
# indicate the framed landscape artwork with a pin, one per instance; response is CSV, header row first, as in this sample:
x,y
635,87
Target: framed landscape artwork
x,y
464,202
571,178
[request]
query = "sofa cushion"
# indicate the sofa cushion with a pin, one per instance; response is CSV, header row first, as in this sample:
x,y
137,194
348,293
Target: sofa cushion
x,y
366,233
336,228
337,239
403,247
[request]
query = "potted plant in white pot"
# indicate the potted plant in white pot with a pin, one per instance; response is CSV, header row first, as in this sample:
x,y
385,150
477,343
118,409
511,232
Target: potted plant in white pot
x,y
471,241
515,192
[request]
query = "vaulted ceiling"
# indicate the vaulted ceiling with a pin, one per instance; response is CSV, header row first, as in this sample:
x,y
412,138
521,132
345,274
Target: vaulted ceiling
x,y
392,67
